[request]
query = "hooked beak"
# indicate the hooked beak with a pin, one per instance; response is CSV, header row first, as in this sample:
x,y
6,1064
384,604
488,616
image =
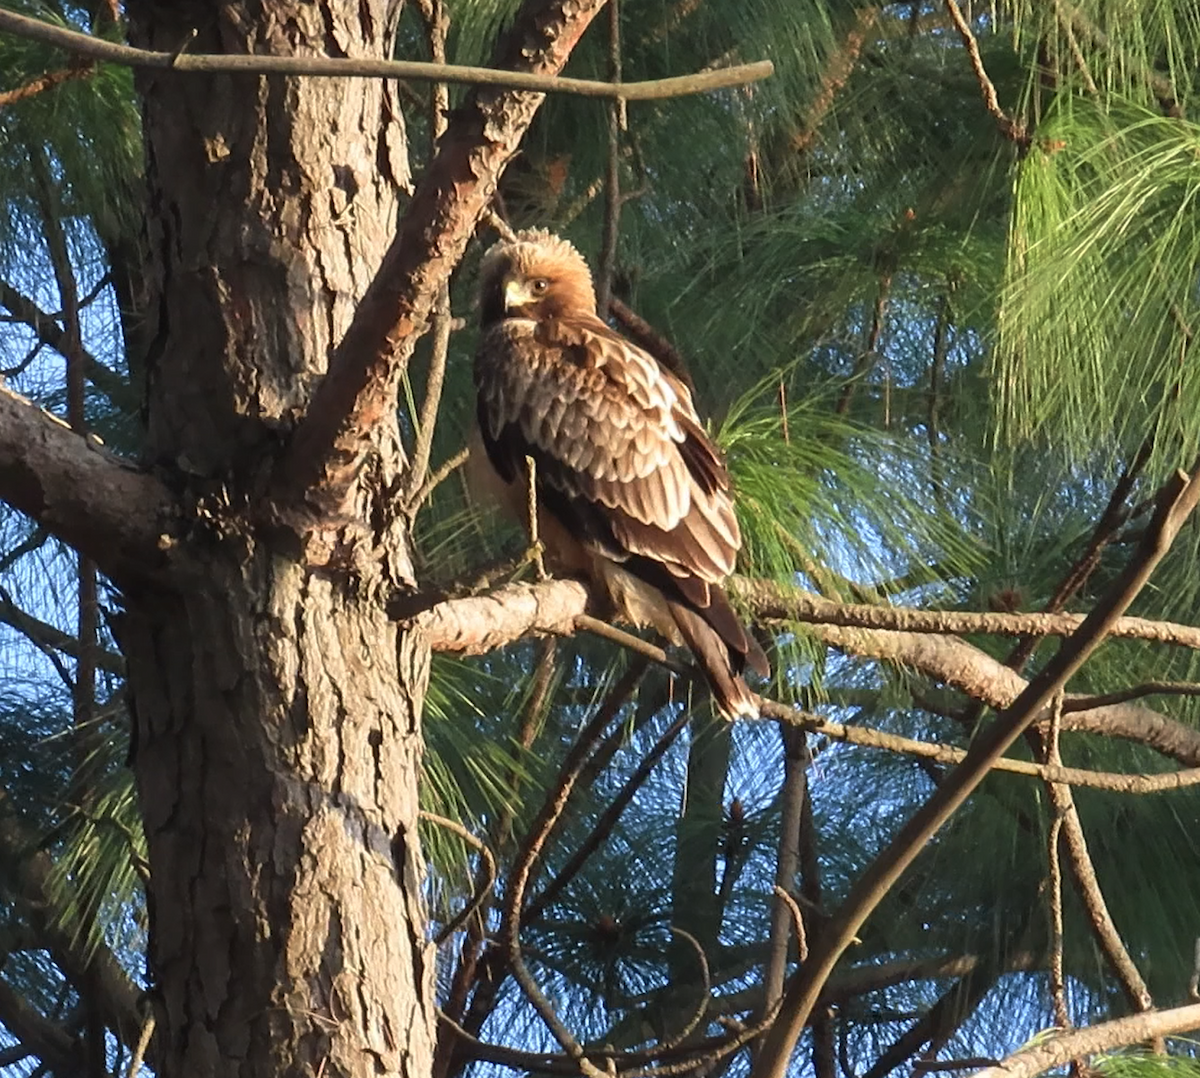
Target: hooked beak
x,y
516,294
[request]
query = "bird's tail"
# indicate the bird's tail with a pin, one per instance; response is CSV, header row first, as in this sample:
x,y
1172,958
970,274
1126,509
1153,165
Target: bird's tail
x,y
721,664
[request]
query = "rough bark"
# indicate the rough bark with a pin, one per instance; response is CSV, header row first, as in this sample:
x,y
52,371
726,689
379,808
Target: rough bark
x,y
277,710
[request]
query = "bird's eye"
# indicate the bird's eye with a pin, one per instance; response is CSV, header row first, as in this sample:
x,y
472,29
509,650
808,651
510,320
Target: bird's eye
x,y
540,285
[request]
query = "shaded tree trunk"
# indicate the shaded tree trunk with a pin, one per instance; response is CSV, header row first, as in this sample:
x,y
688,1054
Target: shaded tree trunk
x,y
277,709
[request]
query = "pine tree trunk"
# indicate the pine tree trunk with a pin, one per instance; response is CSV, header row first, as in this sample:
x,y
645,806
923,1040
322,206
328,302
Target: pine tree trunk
x,y
277,710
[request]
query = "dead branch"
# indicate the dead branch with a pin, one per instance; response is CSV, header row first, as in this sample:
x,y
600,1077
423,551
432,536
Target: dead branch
x,y
1103,928
1176,502
333,67
85,496
1102,1037
1058,980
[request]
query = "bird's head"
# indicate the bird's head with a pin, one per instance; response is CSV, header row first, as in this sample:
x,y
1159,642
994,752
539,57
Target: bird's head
x,y
536,275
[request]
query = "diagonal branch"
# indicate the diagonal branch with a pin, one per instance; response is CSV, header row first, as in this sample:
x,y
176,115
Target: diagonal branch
x,y
50,333
1176,502
44,82
80,493
327,448
48,636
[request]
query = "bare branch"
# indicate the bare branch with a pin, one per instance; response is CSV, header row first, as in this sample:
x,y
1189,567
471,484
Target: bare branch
x,y
1102,1037
50,333
327,66
45,635
91,500
1176,502
949,754
478,624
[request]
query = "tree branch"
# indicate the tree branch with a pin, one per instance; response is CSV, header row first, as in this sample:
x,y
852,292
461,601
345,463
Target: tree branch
x,y
1102,1037
45,82
45,635
52,1044
1176,502
89,499
1009,128
94,968
776,602
327,66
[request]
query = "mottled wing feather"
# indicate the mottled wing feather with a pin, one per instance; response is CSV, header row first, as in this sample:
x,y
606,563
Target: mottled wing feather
x,y
615,437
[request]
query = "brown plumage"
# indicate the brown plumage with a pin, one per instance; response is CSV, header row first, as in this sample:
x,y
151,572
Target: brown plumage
x,y
630,490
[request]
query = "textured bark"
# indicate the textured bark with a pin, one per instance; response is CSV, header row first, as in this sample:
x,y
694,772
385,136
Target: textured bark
x,y
277,709
75,490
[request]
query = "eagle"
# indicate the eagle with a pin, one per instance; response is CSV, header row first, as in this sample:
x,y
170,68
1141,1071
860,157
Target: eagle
x,y
630,491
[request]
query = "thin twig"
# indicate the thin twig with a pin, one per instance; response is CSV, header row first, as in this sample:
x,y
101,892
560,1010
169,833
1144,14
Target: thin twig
x,y
143,1042
539,832
871,350
1058,986
489,865
1088,886
608,819
705,992
437,477
433,12
793,908
1009,127
951,754
326,66
633,643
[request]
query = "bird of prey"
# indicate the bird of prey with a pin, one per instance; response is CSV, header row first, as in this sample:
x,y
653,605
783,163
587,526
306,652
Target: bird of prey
x,y
630,491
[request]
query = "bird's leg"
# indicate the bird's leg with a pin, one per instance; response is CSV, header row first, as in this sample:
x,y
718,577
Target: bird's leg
x,y
535,544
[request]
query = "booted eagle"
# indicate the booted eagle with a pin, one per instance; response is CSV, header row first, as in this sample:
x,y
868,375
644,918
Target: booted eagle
x,y
630,491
